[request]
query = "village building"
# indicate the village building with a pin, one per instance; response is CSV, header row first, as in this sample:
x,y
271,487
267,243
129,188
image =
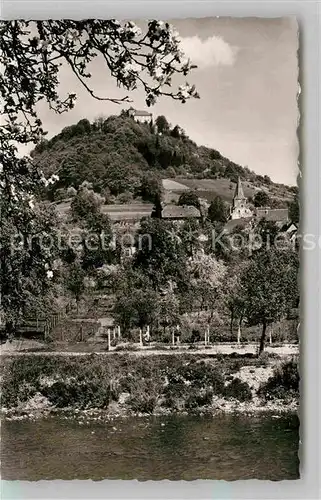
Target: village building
x,y
240,210
140,115
180,213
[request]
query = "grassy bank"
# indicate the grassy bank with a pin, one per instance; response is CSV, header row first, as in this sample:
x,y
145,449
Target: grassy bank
x,y
124,384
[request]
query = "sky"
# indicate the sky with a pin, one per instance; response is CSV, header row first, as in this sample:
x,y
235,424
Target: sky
x,y
247,78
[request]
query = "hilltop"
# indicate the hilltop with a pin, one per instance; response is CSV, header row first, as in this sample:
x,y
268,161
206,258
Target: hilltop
x,y
114,153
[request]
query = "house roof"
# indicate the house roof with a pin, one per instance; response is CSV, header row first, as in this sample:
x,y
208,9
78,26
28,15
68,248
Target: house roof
x,y
137,112
273,214
290,227
180,212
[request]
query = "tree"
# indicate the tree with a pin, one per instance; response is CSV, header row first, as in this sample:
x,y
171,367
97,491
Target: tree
x,y
177,132
261,199
27,251
162,124
75,281
268,230
139,309
151,188
136,302
189,198
217,210
32,55
160,254
205,277
270,287
294,210
232,294
189,233
86,203
169,310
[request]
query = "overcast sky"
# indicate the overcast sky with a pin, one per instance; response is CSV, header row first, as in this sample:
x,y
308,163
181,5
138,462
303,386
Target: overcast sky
x,y
247,77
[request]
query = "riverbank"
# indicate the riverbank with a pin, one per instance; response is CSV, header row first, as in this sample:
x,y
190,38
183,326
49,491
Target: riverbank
x,y
96,387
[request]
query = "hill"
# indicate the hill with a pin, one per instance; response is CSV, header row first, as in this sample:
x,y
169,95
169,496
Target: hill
x,y
114,153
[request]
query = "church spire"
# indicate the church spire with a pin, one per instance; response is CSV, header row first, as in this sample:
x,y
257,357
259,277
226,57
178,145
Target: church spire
x,y
239,194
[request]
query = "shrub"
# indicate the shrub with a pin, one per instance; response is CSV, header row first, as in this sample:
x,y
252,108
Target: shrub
x,y
263,359
238,390
284,382
126,347
203,375
125,197
93,393
198,399
144,395
163,337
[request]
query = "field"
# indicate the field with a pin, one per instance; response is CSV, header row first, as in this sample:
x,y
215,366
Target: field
x,y
206,188
210,188
131,211
117,212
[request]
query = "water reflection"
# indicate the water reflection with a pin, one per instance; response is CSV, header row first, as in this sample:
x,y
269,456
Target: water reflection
x,y
224,447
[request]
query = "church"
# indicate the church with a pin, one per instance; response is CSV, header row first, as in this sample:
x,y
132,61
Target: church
x,y
240,209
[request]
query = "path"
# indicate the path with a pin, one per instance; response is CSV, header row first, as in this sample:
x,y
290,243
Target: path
x,y
34,348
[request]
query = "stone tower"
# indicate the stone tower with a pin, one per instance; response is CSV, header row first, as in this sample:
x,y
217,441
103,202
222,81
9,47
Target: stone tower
x,y
239,208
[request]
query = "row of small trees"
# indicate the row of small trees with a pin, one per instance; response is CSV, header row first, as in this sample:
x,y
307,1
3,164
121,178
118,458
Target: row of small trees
x,y
176,276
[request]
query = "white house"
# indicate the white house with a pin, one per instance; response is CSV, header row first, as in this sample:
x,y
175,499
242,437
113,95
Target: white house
x,y
140,116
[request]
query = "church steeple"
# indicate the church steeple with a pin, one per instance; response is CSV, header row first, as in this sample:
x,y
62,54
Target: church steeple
x,y
239,208
239,194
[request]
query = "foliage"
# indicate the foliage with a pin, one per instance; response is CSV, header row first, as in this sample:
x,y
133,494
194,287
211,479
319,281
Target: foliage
x,y
151,187
74,281
162,124
85,203
189,198
238,390
32,54
270,287
261,199
160,254
294,209
144,395
28,249
217,210
138,309
205,277
284,382
189,234
176,381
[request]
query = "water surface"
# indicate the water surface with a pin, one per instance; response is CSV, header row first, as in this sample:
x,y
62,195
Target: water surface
x,y
224,447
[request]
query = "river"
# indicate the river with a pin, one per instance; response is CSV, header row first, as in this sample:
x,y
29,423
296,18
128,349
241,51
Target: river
x,y
227,447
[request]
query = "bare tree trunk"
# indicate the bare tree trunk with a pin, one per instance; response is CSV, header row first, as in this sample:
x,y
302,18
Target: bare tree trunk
x,y
239,334
108,345
231,323
239,330
262,340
